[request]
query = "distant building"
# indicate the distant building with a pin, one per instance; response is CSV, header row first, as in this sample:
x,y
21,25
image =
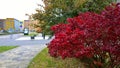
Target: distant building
x,y
26,23
17,25
21,26
12,25
9,25
2,21
30,24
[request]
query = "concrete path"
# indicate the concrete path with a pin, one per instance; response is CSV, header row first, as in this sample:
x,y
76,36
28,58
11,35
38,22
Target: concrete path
x,y
19,57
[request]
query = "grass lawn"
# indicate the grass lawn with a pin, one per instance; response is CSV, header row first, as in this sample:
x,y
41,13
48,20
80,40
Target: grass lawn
x,y
44,60
1,34
5,48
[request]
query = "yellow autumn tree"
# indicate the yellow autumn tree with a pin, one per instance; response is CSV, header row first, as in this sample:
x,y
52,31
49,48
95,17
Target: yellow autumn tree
x,y
57,11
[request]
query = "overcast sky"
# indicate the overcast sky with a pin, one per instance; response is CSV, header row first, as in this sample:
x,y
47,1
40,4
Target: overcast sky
x,y
18,8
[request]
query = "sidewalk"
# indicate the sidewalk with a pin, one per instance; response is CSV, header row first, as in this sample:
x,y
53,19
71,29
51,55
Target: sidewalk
x,y
19,57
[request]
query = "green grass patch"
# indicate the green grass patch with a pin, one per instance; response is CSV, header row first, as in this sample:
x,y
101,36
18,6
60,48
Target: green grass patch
x,y
33,34
2,34
6,48
44,60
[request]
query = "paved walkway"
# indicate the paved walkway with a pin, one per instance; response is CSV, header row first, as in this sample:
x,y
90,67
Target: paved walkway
x,y
19,57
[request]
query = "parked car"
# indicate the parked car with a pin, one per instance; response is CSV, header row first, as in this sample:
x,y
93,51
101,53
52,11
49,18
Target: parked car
x,y
26,31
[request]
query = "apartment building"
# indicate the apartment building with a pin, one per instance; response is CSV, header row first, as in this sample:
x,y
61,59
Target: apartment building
x,y
30,24
12,25
2,21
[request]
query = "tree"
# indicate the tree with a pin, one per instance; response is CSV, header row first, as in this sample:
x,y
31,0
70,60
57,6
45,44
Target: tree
x,y
96,5
93,38
57,11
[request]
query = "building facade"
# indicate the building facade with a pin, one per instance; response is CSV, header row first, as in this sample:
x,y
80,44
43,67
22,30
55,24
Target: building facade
x,y
21,26
17,25
2,21
12,25
29,24
26,24
9,25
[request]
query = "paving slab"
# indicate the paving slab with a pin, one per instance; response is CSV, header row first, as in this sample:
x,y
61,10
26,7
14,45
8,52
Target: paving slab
x,y
19,57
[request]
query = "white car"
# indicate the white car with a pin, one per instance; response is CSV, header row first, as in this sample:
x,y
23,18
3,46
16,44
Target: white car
x,y
26,31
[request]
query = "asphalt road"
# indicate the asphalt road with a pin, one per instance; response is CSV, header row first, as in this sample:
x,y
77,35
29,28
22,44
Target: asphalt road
x,y
10,40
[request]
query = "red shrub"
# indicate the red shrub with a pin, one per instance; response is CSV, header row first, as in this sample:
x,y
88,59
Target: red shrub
x,y
90,36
